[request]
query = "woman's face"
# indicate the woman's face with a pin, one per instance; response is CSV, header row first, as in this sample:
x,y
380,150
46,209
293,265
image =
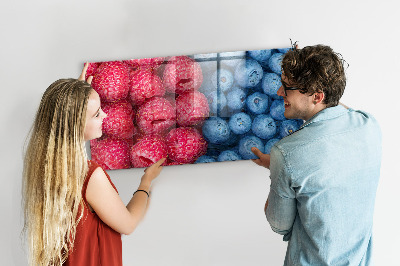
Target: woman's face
x,y
94,117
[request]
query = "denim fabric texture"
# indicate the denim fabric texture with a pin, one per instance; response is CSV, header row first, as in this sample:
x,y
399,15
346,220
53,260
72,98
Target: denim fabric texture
x,y
323,184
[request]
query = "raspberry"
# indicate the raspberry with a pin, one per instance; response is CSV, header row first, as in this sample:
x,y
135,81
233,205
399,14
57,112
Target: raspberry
x,y
156,115
182,74
148,150
191,108
111,81
119,120
146,63
111,153
185,145
171,162
144,84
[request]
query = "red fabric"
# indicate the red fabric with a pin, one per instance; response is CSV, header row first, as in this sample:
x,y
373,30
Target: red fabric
x,y
95,242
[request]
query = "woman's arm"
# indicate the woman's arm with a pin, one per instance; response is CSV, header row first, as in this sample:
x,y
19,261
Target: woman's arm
x,y
108,205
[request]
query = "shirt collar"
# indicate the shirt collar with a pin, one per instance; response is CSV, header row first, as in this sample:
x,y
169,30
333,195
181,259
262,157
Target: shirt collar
x,y
326,114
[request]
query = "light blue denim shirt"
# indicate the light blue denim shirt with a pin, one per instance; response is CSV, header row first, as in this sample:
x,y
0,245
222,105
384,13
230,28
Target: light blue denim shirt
x,y
323,184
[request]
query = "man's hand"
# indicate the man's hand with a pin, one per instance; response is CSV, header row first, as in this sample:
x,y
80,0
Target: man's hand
x,y
83,74
264,159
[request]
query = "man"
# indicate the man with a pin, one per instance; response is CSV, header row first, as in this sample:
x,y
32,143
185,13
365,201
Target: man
x,y
323,176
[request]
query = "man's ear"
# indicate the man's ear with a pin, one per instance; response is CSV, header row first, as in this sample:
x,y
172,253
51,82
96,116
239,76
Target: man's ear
x,y
318,97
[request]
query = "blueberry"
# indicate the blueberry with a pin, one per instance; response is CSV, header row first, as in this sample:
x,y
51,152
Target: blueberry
x,y
247,143
269,145
277,110
216,103
248,73
225,79
240,123
264,126
236,99
216,130
275,63
229,155
257,103
262,56
270,84
288,127
205,159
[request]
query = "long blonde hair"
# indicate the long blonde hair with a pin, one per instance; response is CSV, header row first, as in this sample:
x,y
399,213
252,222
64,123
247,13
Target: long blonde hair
x,y
55,167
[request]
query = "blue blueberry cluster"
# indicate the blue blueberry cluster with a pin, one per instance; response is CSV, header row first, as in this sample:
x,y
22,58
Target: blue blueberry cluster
x,y
245,110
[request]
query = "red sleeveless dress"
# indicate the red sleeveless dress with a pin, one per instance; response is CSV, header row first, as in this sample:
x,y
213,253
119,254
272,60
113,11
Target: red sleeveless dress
x,y
95,242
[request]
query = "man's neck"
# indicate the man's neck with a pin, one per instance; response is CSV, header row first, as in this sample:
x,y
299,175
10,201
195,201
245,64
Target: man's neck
x,y
318,108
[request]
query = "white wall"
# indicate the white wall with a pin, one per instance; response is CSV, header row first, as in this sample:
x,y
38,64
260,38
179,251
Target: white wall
x,y
199,214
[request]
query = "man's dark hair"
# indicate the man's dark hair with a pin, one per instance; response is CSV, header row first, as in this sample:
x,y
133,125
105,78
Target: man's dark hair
x,y
316,69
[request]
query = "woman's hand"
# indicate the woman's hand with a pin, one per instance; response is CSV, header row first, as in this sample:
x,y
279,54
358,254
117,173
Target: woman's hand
x,y
83,74
151,172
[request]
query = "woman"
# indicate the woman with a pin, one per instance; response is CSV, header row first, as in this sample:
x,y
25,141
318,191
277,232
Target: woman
x,y
73,213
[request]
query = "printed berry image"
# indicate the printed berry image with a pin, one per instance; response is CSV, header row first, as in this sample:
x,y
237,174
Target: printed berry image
x,y
247,143
182,74
156,115
217,103
119,120
262,56
229,155
248,73
222,78
148,150
240,123
257,103
230,60
269,144
205,159
232,140
277,110
150,64
111,153
275,63
270,84
236,99
111,81
144,85
216,130
185,145
288,127
264,126
191,108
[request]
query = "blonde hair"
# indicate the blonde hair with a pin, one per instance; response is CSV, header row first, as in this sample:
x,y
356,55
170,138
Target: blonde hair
x,y
55,167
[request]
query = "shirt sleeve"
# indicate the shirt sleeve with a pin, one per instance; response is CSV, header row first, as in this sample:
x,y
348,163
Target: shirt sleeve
x,y
281,210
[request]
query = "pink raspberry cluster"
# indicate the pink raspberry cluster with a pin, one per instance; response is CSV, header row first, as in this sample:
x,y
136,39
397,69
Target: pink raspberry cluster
x,y
154,110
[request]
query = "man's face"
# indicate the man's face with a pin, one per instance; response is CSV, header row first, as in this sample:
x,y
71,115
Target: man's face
x,y
297,104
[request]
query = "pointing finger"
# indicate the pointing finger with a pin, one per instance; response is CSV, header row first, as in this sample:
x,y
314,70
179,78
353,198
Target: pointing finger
x,y
83,74
256,151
